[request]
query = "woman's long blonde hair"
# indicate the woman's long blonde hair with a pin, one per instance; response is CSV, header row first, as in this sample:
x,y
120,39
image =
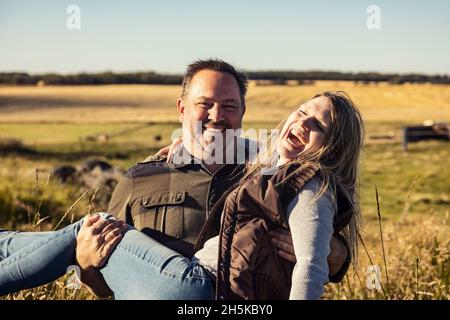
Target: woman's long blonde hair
x,y
338,159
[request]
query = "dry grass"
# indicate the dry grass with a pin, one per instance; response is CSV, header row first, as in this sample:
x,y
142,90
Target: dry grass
x,y
417,260
416,228
137,103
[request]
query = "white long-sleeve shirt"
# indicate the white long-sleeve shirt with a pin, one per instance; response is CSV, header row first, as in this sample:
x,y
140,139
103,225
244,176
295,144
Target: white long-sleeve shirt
x,y
311,226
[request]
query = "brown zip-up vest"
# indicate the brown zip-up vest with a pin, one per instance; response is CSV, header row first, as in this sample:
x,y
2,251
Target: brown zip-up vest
x,y
249,266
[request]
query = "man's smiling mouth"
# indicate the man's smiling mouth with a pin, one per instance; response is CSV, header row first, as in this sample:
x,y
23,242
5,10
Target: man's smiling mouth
x,y
214,129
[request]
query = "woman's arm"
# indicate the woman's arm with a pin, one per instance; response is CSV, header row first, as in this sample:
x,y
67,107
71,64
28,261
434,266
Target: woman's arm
x,y
311,224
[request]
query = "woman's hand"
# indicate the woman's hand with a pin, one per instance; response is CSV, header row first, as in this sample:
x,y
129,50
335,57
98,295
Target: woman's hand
x,y
168,151
96,240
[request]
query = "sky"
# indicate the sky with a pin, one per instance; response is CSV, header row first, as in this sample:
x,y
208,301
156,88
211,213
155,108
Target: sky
x,y
165,36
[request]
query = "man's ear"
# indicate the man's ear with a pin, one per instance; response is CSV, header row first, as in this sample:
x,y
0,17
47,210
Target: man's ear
x,y
243,112
180,107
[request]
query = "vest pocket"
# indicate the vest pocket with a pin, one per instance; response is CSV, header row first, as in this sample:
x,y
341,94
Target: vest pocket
x,y
163,211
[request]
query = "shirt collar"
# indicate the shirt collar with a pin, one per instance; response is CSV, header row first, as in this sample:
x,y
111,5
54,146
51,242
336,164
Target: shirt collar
x,y
189,159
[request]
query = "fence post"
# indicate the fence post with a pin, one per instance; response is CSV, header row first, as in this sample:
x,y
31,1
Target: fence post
x,y
405,139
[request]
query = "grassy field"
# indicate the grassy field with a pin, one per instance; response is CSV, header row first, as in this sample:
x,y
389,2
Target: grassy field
x,y
52,126
138,103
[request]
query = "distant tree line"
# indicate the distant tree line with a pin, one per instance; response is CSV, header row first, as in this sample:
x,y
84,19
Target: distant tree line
x,y
89,78
276,77
362,77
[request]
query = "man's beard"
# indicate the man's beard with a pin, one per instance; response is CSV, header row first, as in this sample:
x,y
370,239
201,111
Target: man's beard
x,y
209,141
210,131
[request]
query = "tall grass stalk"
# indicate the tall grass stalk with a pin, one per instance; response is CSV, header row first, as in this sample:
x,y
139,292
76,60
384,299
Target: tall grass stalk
x,y
382,241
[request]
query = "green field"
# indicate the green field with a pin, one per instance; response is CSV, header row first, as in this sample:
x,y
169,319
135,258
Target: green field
x,y
52,124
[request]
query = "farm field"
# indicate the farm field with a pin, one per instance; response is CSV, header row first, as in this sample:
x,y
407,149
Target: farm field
x,y
45,127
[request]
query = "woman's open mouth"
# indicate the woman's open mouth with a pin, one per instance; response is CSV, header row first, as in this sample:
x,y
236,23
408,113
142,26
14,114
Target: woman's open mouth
x,y
296,139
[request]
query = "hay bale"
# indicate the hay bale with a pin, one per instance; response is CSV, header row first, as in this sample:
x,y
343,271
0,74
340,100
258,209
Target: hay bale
x,y
65,174
10,144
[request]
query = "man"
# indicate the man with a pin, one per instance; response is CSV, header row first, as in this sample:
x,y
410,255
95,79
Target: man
x,y
171,201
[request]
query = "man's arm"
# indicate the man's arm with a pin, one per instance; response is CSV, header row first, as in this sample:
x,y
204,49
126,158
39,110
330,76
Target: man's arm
x,y
93,280
119,205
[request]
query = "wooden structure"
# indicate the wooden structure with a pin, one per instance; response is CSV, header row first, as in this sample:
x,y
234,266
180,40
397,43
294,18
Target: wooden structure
x,y
429,130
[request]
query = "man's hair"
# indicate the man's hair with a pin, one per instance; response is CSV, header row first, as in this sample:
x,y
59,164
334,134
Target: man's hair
x,y
219,66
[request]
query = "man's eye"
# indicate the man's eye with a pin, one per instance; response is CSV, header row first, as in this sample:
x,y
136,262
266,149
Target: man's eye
x,y
303,112
230,107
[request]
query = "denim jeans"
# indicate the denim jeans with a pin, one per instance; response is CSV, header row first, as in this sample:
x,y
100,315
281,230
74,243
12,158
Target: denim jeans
x,y
139,268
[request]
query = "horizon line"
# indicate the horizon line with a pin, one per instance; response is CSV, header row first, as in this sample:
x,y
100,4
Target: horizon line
x,y
242,69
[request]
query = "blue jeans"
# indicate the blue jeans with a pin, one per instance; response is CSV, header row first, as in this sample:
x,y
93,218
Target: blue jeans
x,y
139,268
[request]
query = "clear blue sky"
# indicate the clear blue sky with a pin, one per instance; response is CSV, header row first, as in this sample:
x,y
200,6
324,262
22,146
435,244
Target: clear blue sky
x,y
164,36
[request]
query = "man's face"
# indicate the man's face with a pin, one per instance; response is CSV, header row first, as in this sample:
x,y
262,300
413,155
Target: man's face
x,y
211,105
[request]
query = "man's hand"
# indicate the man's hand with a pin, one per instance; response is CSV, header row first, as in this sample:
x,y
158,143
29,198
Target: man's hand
x,y
282,240
338,255
96,241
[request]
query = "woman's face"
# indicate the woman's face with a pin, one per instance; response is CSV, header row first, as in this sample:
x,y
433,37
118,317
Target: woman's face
x,y
305,129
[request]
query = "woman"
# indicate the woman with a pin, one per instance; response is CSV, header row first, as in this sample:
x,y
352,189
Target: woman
x,y
311,190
